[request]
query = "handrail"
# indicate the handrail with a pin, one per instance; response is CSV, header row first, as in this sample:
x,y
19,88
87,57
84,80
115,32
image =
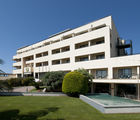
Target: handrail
x,y
128,76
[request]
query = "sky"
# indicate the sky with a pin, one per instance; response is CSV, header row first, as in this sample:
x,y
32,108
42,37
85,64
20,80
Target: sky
x,y
24,22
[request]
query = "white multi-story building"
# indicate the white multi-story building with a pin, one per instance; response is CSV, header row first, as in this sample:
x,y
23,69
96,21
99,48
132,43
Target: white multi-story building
x,y
95,46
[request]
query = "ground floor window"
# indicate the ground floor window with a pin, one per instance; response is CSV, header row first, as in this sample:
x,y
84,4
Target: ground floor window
x,y
102,88
126,90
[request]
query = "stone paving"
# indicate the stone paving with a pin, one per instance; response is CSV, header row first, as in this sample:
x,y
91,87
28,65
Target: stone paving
x,y
23,89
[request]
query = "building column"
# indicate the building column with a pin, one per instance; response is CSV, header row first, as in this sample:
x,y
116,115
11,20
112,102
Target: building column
x,y
60,50
116,89
22,67
91,83
110,73
72,57
138,91
89,57
73,35
112,89
34,65
88,43
90,29
38,76
138,72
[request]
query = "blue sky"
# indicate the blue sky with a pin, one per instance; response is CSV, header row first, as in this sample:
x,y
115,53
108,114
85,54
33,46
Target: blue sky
x,y
24,22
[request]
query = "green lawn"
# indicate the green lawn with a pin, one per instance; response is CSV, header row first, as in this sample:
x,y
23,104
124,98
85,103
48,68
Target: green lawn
x,y
53,108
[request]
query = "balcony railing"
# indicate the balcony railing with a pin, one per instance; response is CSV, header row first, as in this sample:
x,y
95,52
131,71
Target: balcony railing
x,y
126,76
119,76
101,77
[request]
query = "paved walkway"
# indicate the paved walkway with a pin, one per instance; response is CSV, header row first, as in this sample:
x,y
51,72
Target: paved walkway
x,y
23,89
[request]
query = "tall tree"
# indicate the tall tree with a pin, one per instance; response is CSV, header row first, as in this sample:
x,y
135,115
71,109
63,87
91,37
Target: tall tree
x,y
1,61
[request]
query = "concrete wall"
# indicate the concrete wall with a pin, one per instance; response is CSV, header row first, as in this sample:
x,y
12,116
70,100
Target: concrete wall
x,y
110,35
7,77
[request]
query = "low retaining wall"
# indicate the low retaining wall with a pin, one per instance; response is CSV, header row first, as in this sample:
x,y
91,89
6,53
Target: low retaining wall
x,y
111,109
30,94
94,104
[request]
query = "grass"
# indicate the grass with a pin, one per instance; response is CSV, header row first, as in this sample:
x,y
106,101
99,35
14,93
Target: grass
x,y
38,90
34,90
53,108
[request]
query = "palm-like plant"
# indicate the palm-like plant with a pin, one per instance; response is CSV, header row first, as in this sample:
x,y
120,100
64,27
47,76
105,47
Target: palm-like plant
x,y
1,61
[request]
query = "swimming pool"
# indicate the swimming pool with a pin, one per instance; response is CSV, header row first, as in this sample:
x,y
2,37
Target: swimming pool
x,y
111,104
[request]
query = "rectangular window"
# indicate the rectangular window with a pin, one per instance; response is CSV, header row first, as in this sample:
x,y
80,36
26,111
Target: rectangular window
x,y
97,56
45,53
65,49
125,73
56,51
38,64
66,60
101,74
45,63
55,62
81,45
81,58
97,41
100,56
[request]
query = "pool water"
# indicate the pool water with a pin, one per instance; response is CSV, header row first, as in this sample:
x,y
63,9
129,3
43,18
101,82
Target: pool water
x,y
109,100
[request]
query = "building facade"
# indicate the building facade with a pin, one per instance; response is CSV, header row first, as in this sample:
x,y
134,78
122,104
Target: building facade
x,y
95,46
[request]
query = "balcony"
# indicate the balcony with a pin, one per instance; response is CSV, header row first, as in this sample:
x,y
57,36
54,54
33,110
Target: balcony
x,y
126,76
41,69
29,61
16,64
17,71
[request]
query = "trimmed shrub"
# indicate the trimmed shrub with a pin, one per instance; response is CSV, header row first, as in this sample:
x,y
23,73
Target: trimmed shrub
x,y
74,83
53,80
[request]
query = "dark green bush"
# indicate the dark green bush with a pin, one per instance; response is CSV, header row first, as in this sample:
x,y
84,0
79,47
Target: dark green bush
x,y
37,85
4,86
53,80
49,88
29,81
14,82
74,83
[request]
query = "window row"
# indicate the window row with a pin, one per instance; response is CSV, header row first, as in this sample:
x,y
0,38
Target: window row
x,y
67,48
90,43
77,59
66,37
90,57
42,54
54,62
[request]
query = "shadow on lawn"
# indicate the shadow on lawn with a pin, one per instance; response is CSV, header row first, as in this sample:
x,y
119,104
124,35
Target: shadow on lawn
x,y
14,114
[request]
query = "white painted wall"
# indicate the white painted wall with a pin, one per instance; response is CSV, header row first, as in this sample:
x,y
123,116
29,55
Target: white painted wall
x,y
109,33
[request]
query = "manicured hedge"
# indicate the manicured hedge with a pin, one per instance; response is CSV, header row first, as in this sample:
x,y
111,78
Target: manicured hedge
x,y
53,80
15,82
74,83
